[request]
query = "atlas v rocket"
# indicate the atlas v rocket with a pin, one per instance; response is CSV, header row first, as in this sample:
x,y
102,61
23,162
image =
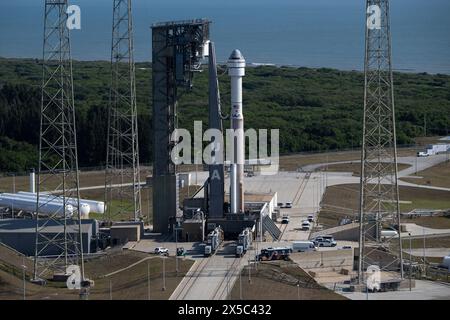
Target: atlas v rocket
x,y
236,70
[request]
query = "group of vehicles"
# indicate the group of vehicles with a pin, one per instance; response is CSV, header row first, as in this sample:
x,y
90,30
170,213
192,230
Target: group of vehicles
x,y
306,224
287,205
313,244
165,252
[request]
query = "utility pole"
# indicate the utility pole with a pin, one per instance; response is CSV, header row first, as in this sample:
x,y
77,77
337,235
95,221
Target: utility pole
x,y
122,159
379,194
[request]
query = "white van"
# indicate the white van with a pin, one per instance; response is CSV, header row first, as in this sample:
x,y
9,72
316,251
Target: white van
x,y
388,233
303,246
306,225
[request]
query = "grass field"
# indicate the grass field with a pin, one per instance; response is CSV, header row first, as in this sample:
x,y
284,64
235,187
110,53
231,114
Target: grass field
x,y
438,176
278,281
430,222
131,283
354,167
295,161
343,200
440,242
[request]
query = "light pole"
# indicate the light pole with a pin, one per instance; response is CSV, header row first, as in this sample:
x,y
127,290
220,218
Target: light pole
x,y
24,267
410,261
298,291
164,274
424,259
110,290
176,250
148,279
249,272
240,280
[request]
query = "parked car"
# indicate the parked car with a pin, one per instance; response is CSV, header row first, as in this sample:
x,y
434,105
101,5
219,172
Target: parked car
x,y
288,205
310,218
324,241
285,219
422,154
162,251
306,225
280,205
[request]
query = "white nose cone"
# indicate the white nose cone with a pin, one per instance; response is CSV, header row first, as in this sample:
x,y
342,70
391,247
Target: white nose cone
x,y
85,209
236,55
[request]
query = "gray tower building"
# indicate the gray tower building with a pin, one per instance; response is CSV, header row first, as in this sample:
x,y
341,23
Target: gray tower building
x,y
177,50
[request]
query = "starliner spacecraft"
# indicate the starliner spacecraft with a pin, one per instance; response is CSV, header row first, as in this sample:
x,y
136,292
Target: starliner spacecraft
x,y
236,70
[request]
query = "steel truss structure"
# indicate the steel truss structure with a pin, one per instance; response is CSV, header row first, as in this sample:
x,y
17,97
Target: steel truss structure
x,y
122,176
379,193
58,234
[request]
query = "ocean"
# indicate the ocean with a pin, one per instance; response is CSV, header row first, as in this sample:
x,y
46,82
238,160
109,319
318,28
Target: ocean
x,y
310,33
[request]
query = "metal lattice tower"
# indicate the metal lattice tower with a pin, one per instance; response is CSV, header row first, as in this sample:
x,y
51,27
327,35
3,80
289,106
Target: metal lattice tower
x,y
58,234
122,183
379,195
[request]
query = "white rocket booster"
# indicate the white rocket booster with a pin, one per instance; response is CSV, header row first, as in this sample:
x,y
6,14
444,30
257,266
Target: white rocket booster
x,y
236,70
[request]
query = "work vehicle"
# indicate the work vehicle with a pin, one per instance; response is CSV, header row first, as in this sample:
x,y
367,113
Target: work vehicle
x,y
306,225
433,149
181,252
162,251
285,219
310,218
244,242
303,246
213,241
275,254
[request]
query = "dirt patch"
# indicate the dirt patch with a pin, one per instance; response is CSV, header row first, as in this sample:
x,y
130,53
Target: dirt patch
x,y
131,283
430,222
278,281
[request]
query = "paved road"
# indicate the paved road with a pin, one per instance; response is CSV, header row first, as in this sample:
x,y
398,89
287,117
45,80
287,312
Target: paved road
x,y
211,278
424,290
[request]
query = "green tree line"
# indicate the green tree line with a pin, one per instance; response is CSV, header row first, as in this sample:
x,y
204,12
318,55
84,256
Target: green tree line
x,y
315,109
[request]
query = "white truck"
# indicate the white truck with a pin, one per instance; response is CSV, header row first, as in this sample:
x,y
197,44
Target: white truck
x,y
303,246
434,149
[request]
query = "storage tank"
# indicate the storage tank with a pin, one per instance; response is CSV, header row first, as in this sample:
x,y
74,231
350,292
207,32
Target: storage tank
x,y
95,206
26,204
85,208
